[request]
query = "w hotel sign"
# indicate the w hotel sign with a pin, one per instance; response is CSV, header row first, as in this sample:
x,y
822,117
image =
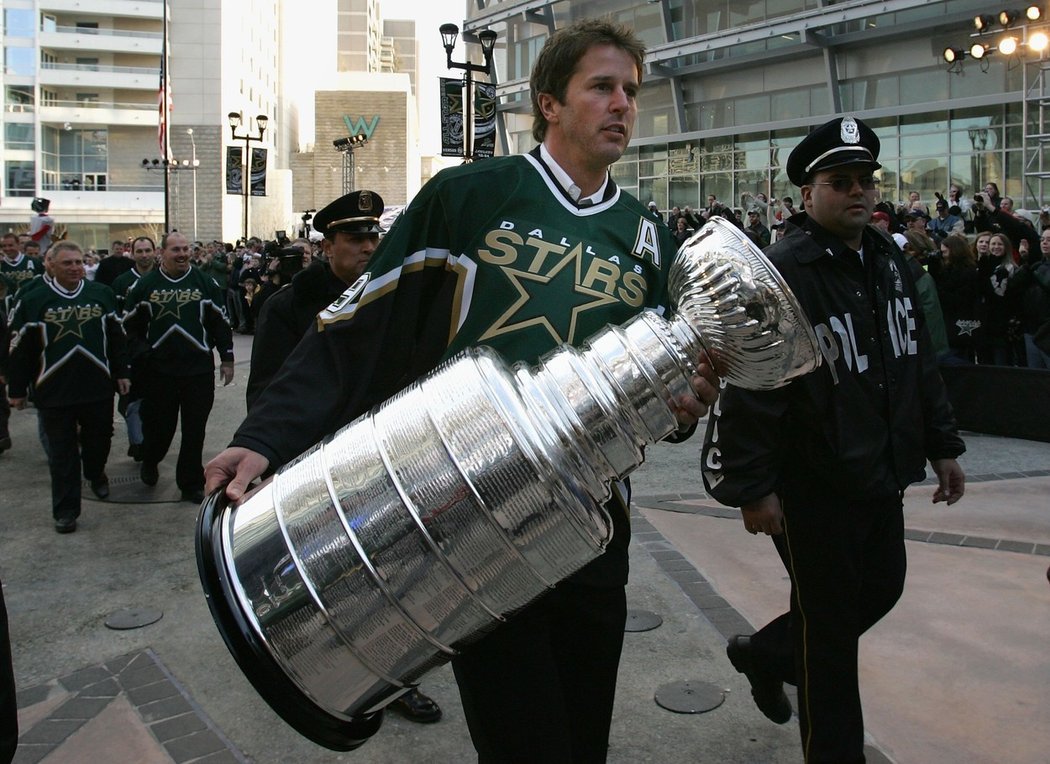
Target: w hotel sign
x,y
360,126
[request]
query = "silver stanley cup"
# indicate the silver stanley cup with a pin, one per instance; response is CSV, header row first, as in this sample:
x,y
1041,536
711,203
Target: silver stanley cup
x,y
393,544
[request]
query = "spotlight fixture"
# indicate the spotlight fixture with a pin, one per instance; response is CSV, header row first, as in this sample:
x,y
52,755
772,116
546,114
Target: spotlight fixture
x,y
977,50
1008,46
1039,42
1033,13
1006,18
982,22
953,55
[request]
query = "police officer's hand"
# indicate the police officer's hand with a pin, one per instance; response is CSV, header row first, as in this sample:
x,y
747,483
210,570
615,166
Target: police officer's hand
x,y
951,481
764,516
226,372
687,408
234,468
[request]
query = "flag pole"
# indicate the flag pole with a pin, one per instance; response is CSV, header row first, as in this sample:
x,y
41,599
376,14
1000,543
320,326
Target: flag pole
x,y
165,115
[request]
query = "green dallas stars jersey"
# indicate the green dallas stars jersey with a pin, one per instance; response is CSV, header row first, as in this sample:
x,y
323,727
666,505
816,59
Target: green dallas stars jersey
x,y
528,270
177,322
123,283
15,273
491,253
69,345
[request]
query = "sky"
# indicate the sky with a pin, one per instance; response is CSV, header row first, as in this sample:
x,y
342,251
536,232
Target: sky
x,y
429,15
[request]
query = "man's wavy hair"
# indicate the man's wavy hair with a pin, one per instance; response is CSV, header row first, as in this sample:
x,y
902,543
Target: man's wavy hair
x,y
562,52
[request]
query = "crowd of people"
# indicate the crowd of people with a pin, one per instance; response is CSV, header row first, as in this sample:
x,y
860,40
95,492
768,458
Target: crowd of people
x,y
987,261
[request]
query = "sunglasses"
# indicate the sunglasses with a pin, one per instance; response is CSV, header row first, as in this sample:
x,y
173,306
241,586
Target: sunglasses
x,y
845,185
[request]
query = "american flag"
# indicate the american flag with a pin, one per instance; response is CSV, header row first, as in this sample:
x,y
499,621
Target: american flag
x,y
163,95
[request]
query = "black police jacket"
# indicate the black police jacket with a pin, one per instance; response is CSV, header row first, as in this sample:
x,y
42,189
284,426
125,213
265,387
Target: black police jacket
x,y
866,420
285,318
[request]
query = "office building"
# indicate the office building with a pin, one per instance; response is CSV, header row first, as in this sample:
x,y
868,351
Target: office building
x,y
731,87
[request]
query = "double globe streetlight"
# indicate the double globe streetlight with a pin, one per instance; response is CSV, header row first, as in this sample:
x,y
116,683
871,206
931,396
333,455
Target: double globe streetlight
x,y
249,137
487,40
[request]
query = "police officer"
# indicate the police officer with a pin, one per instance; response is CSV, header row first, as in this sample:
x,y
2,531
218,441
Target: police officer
x,y
822,463
351,231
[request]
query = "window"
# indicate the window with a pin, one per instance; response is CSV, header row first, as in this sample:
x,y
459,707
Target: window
x,y
19,61
20,178
18,22
87,27
18,98
18,136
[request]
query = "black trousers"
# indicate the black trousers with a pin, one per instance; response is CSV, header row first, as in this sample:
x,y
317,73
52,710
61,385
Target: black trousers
x,y
541,686
68,448
164,398
5,411
8,701
847,563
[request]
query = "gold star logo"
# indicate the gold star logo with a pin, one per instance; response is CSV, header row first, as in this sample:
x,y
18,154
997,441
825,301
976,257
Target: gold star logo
x,y
70,321
171,303
560,319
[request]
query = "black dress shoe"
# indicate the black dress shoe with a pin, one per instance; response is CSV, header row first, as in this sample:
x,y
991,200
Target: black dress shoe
x,y
100,486
416,707
194,495
148,474
135,451
5,443
766,689
65,525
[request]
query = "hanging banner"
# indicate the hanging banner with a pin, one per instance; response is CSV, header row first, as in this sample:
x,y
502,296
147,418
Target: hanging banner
x,y
258,173
484,120
451,117
234,173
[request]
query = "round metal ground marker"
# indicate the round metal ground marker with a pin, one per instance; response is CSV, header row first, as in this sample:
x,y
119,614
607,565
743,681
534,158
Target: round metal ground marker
x,y
133,618
689,697
642,620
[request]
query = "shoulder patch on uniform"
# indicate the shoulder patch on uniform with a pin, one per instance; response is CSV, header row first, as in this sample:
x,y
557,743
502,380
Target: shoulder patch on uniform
x,y
344,306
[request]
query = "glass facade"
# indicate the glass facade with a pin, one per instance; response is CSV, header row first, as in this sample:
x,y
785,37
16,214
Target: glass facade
x,y
74,160
731,88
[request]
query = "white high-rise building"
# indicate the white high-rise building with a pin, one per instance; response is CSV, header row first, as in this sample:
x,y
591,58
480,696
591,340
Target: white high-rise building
x,y
80,88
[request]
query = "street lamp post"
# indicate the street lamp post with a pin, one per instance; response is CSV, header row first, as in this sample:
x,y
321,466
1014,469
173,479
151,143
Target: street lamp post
x,y
487,40
248,137
193,159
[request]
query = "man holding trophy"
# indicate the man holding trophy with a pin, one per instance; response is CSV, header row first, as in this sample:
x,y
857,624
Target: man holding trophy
x,y
558,253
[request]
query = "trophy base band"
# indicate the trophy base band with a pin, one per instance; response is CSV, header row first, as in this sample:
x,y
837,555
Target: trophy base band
x,y
282,694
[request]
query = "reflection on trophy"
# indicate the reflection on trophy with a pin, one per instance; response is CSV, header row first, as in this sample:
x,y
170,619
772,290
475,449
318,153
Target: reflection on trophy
x,y
386,549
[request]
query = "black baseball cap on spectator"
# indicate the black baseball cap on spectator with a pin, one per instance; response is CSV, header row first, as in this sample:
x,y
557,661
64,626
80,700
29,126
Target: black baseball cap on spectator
x,y
357,212
844,140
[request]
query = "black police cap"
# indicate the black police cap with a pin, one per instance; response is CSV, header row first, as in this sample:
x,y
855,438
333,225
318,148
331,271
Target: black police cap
x,y
358,212
845,140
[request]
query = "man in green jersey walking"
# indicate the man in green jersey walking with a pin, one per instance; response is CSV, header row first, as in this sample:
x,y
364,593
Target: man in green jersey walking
x,y
522,254
67,341
175,318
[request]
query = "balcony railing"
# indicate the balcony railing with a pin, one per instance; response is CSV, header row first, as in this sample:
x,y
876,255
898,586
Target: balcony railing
x,y
100,68
105,32
99,105
107,188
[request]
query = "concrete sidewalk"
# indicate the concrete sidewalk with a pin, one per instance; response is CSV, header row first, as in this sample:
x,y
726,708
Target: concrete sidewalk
x,y
957,673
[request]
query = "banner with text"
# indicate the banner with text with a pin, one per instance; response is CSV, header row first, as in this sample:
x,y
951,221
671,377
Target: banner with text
x,y
258,173
234,170
451,117
484,120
